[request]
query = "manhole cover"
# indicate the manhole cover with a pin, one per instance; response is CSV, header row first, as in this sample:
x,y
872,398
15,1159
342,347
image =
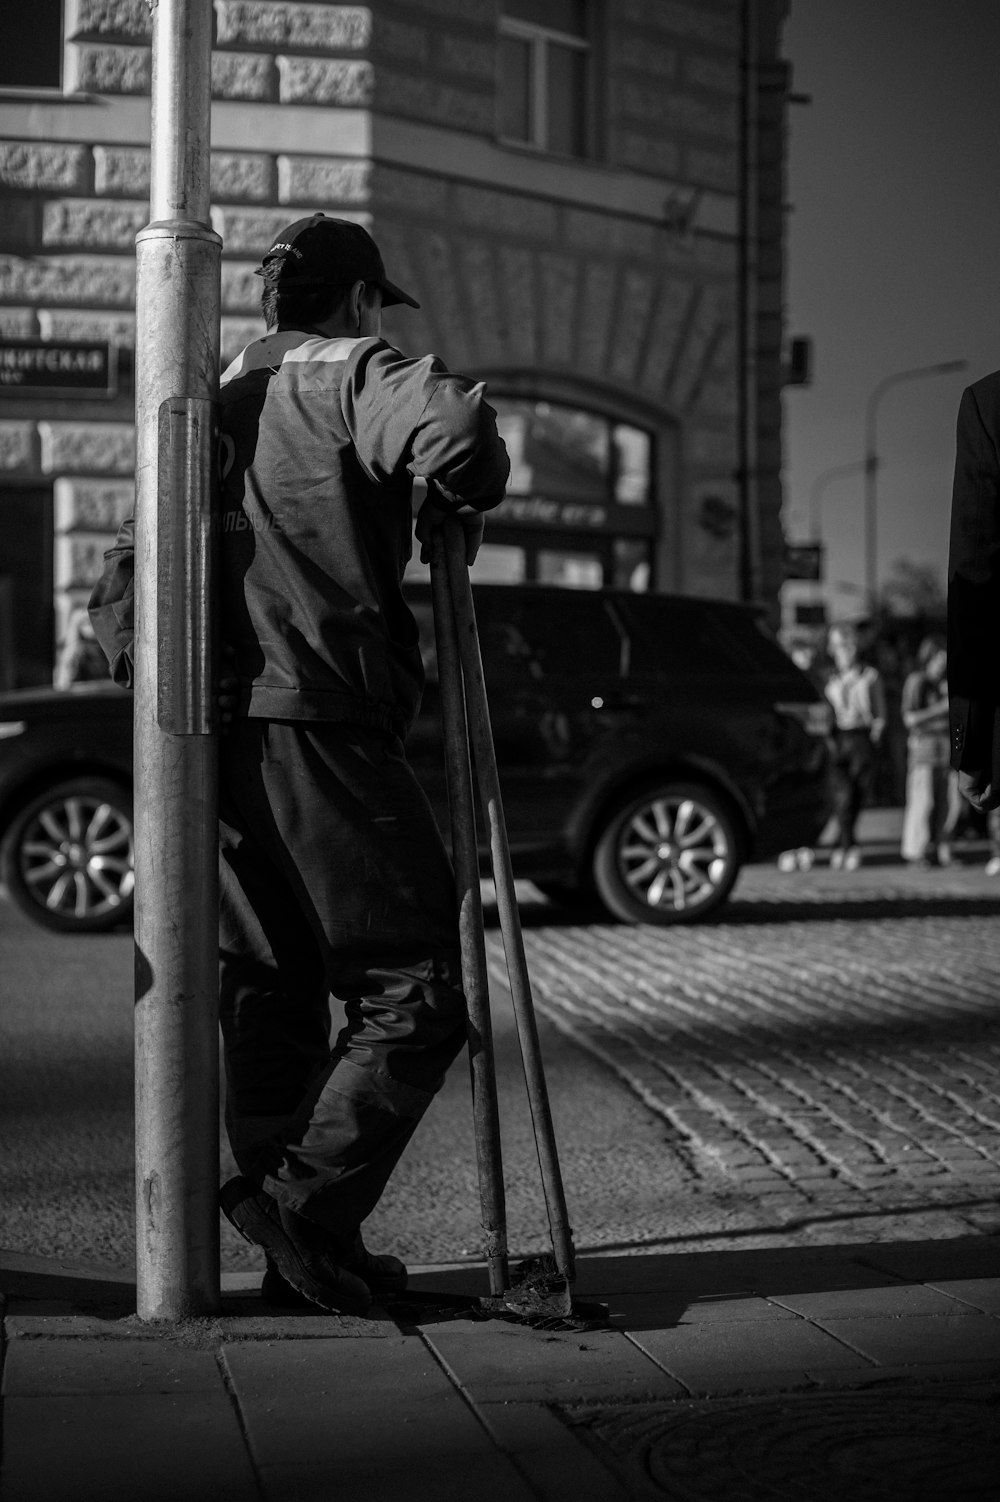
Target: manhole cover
x,y
914,1445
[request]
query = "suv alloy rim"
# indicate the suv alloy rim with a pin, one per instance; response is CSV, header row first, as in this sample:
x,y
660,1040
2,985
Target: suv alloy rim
x,y
673,852
76,857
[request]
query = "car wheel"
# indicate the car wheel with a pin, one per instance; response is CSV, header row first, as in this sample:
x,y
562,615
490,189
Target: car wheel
x,y
68,856
668,855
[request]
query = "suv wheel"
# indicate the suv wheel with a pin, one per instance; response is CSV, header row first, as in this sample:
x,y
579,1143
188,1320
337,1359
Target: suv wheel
x,y
668,855
68,856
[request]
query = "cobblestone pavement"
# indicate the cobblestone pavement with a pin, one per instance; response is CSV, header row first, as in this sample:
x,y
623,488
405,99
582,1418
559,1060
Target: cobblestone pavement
x,y
824,1056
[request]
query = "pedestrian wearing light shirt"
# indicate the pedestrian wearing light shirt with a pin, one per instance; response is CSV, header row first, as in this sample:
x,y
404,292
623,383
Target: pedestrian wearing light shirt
x,y
857,697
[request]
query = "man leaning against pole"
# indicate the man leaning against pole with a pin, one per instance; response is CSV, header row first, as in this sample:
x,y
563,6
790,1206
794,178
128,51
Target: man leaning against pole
x,y
333,875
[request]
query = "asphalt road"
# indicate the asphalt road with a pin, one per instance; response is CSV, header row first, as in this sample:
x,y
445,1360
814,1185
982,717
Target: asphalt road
x,y
819,1065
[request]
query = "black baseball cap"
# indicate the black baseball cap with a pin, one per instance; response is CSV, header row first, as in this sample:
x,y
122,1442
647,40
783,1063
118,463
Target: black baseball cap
x,y
325,252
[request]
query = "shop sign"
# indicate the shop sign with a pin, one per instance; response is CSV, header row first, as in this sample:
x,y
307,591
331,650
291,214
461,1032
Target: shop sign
x,y
543,511
56,367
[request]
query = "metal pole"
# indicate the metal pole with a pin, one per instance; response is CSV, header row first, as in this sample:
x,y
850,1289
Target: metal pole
x,y
503,877
749,297
475,983
871,464
176,922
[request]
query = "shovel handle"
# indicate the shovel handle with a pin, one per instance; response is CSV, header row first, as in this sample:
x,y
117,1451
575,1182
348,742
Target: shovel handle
x,y
475,983
478,713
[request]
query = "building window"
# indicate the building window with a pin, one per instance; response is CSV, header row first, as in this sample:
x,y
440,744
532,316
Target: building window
x,y
500,563
545,60
31,56
571,568
580,501
581,504
568,453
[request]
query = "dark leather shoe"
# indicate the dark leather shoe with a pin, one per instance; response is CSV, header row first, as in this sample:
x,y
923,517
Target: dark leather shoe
x,y
275,1290
385,1275
299,1250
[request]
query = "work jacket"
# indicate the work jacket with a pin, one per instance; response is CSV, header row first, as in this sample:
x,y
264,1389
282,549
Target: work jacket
x,y
319,442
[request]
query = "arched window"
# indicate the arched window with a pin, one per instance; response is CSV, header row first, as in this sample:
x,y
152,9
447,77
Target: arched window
x,y
580,508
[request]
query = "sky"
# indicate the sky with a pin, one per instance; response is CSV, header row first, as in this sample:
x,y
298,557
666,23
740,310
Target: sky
x,y
894,262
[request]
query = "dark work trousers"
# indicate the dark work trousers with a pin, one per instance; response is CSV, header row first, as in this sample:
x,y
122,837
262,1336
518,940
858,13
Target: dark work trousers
x,y
851,769
334,880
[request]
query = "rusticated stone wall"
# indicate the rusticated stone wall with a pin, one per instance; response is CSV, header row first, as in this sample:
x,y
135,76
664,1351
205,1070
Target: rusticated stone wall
x,y
507,283
631,298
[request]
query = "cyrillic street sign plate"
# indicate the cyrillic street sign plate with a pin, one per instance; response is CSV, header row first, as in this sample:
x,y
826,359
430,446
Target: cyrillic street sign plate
x,y
56,367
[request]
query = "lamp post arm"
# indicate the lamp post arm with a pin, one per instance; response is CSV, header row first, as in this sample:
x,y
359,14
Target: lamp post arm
x,y
945,367
871,462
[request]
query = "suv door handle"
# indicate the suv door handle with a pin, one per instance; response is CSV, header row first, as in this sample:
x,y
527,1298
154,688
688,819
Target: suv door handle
x,y
617,703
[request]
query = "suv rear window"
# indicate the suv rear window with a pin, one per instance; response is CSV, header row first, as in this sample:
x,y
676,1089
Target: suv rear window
x,y
527,636
694,638
556,634
679,637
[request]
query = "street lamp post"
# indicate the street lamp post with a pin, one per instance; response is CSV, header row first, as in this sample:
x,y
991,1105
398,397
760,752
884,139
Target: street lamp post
x,y
871,462
178,256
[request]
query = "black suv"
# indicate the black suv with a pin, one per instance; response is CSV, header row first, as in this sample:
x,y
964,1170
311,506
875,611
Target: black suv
x,y
648,745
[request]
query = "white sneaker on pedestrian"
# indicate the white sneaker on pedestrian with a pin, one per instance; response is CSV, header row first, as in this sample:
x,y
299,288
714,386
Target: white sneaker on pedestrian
x,y
852,860
836,859
993,866
801,859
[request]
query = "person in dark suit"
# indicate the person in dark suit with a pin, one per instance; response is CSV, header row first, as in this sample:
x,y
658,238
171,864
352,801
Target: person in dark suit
x,y
974,597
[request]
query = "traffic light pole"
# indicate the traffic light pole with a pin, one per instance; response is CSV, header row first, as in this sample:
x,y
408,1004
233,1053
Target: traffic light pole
x,y
176,862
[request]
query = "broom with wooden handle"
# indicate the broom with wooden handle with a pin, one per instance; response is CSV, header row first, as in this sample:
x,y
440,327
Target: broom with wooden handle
x,y
466,720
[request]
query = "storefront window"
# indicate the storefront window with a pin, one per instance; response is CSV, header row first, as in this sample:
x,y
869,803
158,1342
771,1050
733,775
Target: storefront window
x,y
497,563
580,510
569,569
567,452
580,497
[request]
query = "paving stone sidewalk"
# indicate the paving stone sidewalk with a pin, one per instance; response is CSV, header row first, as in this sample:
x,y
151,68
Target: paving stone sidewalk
x,y
825,1056
760,1375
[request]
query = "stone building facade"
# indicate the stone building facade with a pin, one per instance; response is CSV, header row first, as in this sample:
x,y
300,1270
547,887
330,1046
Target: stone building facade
x,y
586,197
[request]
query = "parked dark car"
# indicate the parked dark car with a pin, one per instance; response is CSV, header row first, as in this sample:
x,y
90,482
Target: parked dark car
x,y
648,746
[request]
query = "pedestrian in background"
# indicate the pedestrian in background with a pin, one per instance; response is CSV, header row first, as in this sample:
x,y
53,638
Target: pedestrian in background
x,y
81,657
854,690
933,802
